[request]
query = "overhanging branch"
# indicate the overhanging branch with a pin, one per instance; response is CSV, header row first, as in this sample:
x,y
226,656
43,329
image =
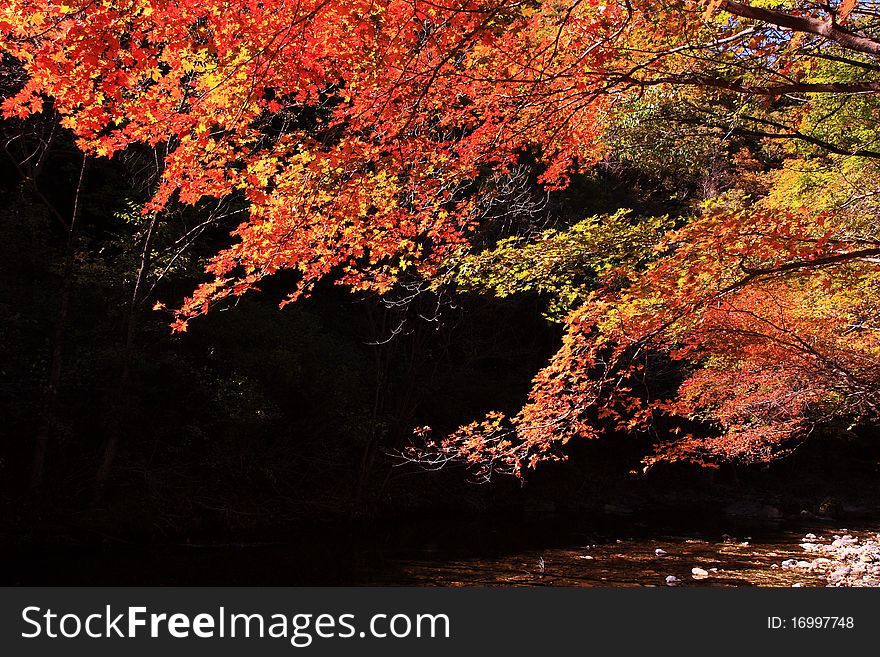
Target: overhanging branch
x,y
824,28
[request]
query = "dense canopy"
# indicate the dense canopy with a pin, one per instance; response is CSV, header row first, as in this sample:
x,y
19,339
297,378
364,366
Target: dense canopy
x,y
370,140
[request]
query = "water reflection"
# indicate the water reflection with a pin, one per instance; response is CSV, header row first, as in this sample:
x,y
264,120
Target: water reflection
x,y
728,561
592,552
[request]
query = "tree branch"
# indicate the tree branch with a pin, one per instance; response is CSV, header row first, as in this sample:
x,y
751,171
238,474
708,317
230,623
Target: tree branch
x,y
827,29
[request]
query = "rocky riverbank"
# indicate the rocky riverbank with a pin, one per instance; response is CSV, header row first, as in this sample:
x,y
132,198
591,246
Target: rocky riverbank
x,y
843,559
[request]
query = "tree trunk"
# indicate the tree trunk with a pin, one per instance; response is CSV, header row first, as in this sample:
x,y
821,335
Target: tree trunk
x,y
117,406
50,398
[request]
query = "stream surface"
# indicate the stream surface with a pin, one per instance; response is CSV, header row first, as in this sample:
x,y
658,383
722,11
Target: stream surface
x,y
730,561
616,552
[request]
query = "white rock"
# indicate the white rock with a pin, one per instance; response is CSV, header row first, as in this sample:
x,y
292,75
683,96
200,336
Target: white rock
x,y
660,552
672,580
699,573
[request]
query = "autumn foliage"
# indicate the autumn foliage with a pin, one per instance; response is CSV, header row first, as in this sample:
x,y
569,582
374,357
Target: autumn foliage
x,y
368,138
770,316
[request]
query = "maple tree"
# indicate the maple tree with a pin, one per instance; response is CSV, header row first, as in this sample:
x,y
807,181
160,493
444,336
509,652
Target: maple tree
x,y
368,138
772,314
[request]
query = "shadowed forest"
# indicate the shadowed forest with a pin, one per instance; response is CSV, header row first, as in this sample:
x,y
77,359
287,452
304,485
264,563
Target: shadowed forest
x,y
539,267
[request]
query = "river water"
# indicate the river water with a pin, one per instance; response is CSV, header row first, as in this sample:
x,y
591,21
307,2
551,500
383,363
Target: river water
x,y
745,560
619,552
